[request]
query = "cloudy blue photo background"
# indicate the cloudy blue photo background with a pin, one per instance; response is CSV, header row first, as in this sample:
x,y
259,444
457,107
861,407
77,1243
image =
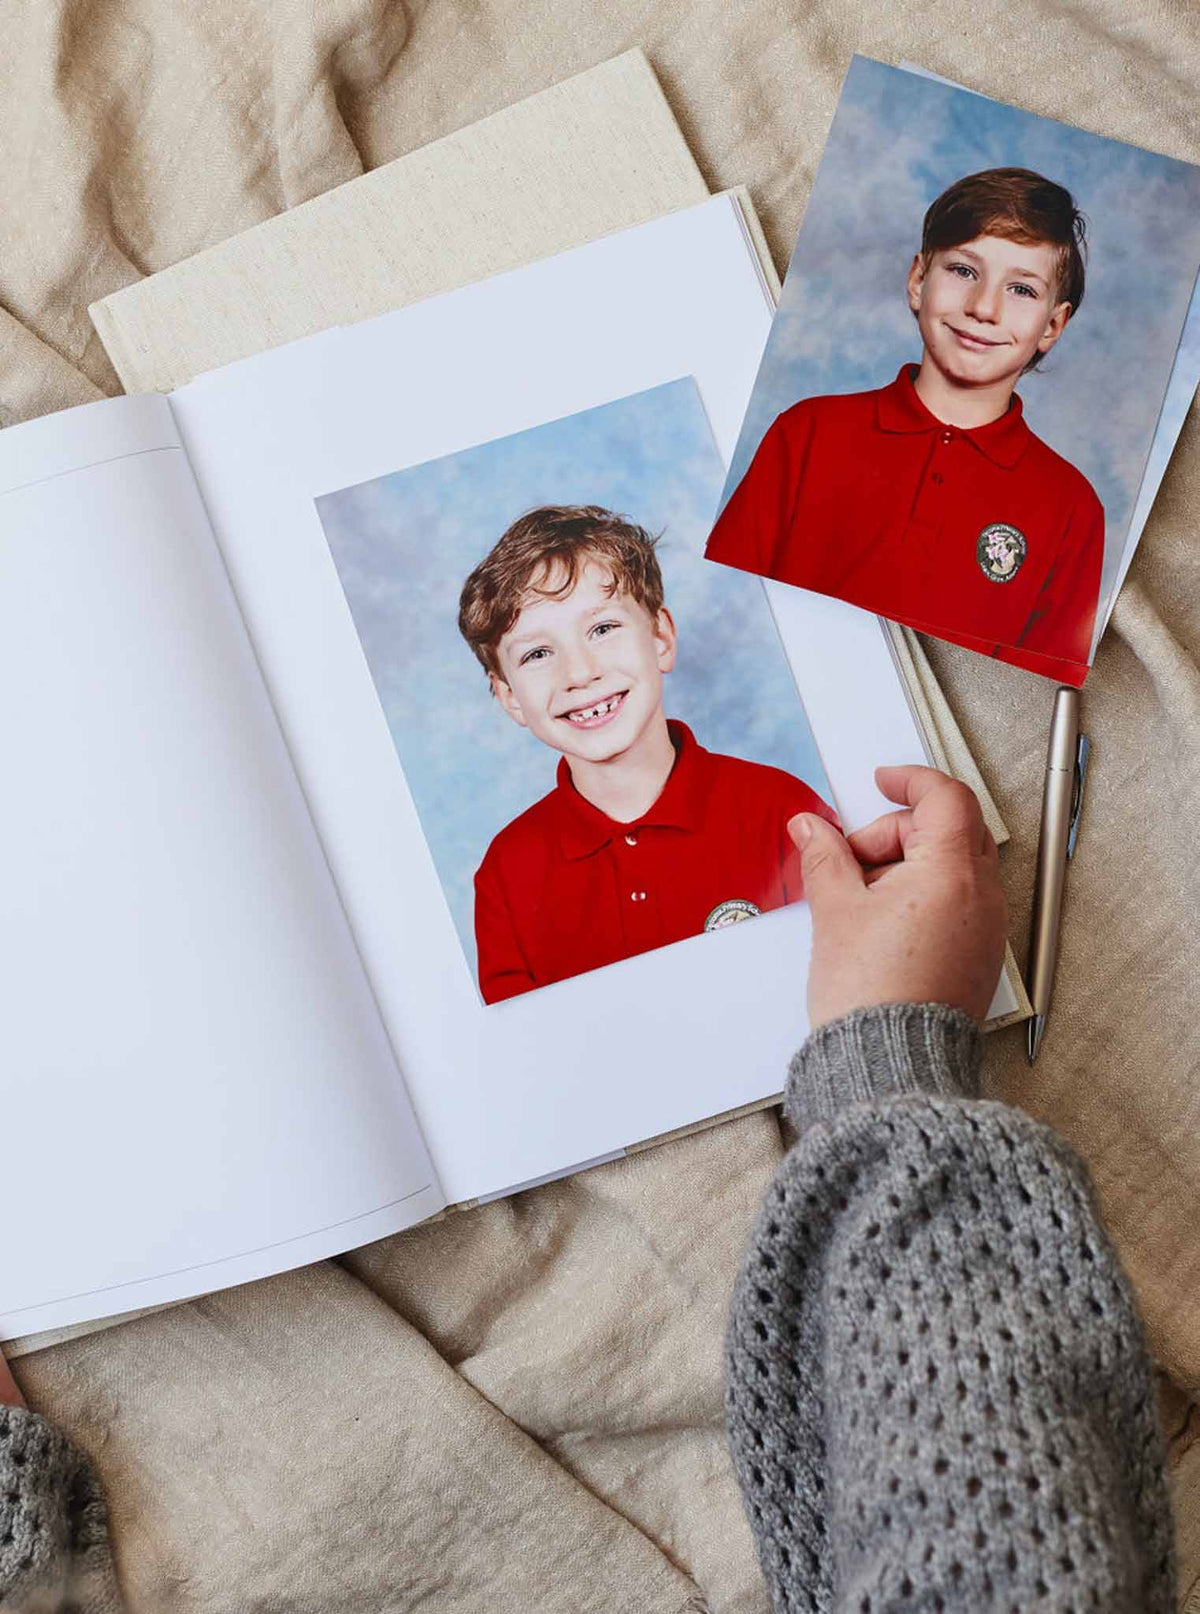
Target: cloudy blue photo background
x,y
897,141
404,544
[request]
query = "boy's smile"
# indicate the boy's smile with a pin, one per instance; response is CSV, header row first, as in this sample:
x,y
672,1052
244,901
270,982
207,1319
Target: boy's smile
x,y
985,309
598,713
583,671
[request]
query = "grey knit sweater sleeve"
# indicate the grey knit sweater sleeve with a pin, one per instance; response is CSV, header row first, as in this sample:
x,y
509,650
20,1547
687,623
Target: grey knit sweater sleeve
x,y
938,1393
54,1548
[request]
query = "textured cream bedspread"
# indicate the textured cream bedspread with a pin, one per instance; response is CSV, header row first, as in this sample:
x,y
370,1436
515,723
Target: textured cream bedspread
x,y
520,1407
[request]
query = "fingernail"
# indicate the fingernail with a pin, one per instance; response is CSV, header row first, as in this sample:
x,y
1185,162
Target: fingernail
x,y
801,828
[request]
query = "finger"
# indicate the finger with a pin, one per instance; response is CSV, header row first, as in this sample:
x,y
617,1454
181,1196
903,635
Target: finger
x,y
946,812
911,782
830,869
10,1394
871,876
882,841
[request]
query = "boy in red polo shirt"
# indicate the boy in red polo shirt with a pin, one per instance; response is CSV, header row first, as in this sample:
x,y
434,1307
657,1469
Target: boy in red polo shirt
x,y
930,500
646,837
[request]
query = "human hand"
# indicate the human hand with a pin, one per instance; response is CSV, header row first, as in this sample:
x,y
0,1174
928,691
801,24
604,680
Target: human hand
x,y
10,1395
909,909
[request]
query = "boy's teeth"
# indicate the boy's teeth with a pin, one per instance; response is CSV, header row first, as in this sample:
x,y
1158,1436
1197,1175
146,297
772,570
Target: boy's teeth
x,y
593,711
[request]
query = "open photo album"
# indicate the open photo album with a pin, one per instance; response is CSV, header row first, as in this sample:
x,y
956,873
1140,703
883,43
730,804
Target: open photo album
x,y
986,344
392,790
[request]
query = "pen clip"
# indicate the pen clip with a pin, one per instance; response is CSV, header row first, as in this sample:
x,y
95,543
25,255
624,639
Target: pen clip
x,y
1082,752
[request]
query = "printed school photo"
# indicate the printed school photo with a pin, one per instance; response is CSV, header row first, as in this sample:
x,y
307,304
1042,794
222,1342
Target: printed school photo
x,y
953,417
600,730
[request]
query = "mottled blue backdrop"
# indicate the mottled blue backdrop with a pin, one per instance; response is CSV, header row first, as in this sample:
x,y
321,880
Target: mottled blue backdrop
x,y
403,545
844,325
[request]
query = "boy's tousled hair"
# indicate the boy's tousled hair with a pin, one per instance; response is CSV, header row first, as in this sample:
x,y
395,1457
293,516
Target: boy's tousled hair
x,y
539,545
1017,205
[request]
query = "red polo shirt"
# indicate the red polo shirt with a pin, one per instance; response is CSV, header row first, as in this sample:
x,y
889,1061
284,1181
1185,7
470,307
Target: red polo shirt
x,y
564,889
869,497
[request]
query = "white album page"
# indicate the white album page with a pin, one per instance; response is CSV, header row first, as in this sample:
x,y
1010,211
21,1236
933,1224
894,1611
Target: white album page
x,y
196,1087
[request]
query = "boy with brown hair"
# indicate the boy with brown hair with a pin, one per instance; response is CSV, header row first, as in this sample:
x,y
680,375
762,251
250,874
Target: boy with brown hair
x,y
646,837
930,500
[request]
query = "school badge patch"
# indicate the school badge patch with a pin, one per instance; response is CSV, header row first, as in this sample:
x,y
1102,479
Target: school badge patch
x,y
1001,551
731,913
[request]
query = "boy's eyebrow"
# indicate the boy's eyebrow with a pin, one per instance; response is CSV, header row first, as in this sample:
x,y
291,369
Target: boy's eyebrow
x,y
540,633
1029,274
1020,274
530,636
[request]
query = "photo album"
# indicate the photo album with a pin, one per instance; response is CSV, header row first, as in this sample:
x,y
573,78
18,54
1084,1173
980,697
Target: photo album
x,y
984,352
396,799
407,719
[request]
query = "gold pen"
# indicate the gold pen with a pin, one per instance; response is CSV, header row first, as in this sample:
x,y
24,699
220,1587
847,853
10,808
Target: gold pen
x,y
1062,799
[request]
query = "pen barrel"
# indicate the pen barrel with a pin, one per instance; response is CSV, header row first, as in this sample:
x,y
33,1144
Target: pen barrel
x,y
1057,802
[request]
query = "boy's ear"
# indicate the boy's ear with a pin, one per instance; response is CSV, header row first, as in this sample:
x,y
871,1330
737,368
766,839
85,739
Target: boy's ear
x,y
665,639
507,699
916,279
1055,328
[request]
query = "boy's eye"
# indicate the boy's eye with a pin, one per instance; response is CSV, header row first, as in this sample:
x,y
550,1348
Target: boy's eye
x,y
1025,289
536,654
602,628
962,270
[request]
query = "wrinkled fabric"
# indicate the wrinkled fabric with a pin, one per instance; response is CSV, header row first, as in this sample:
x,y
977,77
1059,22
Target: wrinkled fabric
x,y
520,1406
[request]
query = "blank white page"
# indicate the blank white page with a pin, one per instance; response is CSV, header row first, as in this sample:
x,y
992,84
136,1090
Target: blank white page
x,y
195,1084
513,1092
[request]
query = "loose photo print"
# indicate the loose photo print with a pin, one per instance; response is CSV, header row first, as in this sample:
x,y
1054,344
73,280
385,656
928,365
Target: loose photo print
x,y
600,730
955,412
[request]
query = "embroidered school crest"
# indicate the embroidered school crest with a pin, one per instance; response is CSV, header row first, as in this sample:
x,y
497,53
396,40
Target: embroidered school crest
x,y
731,913
1001,551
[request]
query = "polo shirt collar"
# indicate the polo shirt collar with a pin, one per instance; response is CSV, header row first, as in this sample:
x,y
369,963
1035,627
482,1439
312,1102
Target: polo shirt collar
x,y
899,409
584,829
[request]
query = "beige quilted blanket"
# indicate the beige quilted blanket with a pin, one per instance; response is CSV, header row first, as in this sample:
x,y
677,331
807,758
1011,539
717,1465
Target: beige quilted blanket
x,y
519,1407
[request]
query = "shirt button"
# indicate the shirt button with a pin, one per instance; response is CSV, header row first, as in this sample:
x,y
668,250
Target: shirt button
x,y
637,896
938,477
947,437
631,840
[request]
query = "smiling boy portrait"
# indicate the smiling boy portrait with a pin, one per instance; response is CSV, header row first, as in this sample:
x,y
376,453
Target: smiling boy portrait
x,y
646,837
930,500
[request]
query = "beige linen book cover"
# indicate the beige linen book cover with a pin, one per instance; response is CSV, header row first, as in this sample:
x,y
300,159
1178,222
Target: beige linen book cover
x,y
598,153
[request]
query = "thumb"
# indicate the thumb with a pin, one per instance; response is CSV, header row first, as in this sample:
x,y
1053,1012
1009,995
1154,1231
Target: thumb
x,y
830,869
10,1393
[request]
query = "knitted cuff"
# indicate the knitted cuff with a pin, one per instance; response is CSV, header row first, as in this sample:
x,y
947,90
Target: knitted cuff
x,y
880,1052
53,1521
